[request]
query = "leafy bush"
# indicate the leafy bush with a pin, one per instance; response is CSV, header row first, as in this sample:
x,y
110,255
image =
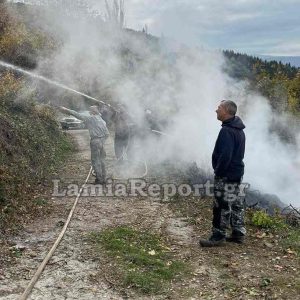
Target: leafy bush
x,y
263,220
19,43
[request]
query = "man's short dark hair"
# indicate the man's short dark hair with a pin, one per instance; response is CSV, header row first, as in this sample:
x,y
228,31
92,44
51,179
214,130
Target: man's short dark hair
x,y
230,107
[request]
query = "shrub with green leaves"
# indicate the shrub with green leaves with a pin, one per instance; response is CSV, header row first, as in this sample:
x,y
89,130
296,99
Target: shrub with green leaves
x,y
263,220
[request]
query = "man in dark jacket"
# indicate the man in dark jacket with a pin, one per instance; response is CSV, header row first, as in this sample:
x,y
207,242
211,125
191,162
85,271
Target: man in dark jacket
x,y
227,162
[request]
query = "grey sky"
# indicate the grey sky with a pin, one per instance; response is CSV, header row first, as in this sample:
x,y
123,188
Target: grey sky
x,y
251,26
270,27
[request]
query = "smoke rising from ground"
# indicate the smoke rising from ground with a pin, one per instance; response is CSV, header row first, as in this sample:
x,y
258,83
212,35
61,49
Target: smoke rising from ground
x,y
181,85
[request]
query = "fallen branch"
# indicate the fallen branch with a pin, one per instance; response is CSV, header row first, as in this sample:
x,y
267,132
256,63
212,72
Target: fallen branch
x,y
295,210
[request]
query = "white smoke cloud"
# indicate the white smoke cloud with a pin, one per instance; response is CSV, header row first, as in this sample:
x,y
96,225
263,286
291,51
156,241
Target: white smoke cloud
x,y
185,90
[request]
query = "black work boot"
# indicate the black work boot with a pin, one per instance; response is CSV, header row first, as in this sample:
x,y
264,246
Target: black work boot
x,y
213,241
236,237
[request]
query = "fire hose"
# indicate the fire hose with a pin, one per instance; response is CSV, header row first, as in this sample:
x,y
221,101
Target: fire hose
x,y
42,266
140,161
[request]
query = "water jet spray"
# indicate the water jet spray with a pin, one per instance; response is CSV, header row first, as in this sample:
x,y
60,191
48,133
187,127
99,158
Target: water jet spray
x,y
60,85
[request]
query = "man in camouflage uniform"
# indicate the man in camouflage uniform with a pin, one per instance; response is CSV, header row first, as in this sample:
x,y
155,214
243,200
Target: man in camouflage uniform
x,y
98,134
227,162
123,134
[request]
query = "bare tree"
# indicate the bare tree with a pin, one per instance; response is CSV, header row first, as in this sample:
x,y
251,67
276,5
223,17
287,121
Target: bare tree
x,y
115,12
145,29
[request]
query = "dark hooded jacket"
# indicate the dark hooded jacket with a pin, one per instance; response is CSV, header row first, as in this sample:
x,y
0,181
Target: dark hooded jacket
x,y
228,155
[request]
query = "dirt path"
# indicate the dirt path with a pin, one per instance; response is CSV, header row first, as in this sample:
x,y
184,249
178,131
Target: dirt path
x,y
73,273
68,274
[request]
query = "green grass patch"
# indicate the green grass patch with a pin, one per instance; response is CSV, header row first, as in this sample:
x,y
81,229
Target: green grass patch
x,y
291,240
145,262
41,201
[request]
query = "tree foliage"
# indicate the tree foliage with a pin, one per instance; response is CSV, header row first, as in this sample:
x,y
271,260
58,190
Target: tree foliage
x,y
294,94
31,143
278,82
20,44
244,66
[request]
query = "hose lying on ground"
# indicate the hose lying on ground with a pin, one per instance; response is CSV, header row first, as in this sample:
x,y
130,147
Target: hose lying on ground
x,y
42,266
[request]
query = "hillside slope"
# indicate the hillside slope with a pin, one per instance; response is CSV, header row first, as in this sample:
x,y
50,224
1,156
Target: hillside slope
x,y
31,146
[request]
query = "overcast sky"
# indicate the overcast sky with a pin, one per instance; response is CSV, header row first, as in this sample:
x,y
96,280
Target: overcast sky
x,y
250,26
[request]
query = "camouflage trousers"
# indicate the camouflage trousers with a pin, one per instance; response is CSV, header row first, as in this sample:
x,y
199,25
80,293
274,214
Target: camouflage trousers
x,y
228,210
121,146
98,155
